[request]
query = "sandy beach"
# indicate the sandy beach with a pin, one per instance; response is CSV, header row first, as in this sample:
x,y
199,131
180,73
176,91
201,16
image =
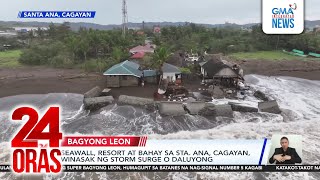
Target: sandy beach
x,y
42,80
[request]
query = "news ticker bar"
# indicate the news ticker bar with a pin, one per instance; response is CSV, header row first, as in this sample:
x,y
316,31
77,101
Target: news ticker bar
x,y
183,168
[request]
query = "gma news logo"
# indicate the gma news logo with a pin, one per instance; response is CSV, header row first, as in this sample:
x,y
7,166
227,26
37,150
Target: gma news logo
x,y
283,16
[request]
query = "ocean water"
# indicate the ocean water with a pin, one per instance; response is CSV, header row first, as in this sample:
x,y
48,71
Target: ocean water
x,y
299,100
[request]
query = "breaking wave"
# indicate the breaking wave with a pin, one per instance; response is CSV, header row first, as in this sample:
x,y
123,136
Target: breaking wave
x,y
299,100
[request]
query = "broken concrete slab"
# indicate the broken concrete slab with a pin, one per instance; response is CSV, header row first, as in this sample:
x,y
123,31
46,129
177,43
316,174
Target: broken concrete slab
x,y
97,102
224,110
218,92
242,108
208,110
194,107
132,100
191,99
171,109
260,95
94,92
269,106
106,92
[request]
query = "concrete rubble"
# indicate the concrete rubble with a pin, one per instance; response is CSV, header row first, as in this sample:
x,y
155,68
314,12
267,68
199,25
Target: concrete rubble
x,y
96,103
224,110
94,92
131,100
92,101
171,109
194,108
270,107
260,95
208,110
106,92
242,108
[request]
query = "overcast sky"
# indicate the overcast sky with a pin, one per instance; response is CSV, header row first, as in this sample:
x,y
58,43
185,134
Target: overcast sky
x,y
109,11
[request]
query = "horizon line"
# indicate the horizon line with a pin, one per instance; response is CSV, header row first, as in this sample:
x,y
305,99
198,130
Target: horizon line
x,y
226,22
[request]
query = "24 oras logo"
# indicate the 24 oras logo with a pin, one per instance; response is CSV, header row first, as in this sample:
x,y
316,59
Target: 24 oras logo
x,y
29,156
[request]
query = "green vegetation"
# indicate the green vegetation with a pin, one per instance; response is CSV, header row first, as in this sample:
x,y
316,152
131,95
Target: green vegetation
x,y
160,56
9,59
267,55
185,70
97,50
92,50
230,40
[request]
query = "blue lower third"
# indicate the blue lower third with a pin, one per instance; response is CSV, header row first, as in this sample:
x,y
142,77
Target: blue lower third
x,y
56,14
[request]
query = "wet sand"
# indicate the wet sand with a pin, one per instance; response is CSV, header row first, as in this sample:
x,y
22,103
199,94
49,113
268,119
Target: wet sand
x,y
42,80
294,68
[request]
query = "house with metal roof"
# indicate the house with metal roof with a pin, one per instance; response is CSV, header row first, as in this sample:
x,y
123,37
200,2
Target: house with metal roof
x,y
138,55
150,76
170,72
126,73
146,49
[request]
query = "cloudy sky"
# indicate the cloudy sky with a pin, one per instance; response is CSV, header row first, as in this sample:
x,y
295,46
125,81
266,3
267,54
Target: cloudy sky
x,y
109,11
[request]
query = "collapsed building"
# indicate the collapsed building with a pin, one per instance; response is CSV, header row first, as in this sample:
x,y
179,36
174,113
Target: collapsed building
x,y
221,72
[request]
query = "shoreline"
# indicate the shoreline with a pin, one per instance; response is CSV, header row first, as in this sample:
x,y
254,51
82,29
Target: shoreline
x,y
44,80
293,68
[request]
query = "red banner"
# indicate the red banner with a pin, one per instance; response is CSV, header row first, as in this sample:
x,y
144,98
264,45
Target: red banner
x,y
118,141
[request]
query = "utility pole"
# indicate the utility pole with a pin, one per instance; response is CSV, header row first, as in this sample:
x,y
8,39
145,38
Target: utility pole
x,y
124,17
143,25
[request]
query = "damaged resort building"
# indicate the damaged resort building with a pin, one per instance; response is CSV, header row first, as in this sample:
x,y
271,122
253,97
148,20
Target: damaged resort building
x,y
221,72
182,84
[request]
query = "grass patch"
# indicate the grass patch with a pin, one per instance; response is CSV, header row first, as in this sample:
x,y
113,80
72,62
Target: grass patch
x,y
9,59
266,55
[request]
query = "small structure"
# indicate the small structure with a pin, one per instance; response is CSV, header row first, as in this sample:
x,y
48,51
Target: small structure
x,y
150,76
126,73
138,55
220,71
171,73
129,73
192,58
156,29
148,48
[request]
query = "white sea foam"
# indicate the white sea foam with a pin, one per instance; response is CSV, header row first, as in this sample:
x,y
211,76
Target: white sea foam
x,y
298,95
298,98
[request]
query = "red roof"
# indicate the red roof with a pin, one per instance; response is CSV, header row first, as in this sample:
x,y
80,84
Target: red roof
x,y
145,49
138,55
157,29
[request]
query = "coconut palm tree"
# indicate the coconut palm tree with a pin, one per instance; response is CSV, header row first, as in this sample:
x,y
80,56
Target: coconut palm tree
x,y
160,56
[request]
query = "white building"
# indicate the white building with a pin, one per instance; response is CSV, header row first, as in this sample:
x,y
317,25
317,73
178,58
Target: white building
x,y
170,72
